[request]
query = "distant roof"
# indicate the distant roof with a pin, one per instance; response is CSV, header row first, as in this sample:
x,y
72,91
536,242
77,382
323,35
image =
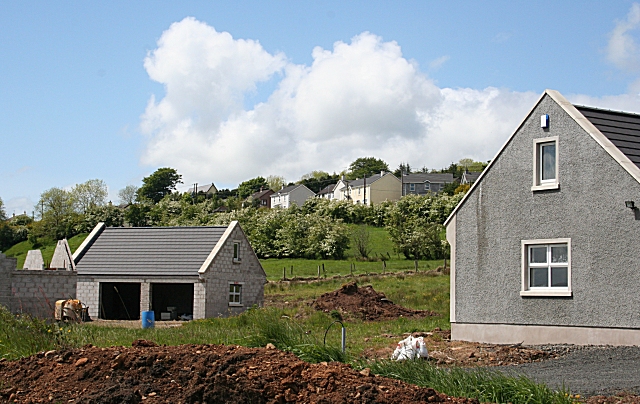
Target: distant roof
x,y
290,188
621,128
327,189
431,177
260,194
471,176
370,180
171,251
206,188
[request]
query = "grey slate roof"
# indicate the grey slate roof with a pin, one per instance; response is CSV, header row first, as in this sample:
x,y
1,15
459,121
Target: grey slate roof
x,y
424,177
327,189
360,182
150,251
621,128
288,189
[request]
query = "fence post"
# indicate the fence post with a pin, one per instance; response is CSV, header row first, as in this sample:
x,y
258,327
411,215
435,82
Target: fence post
x,y
415,262
291,271
284,273
318,271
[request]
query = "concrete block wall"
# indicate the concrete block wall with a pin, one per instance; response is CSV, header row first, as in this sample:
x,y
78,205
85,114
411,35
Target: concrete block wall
x,y
199,300
7,266
145,297
36,292
88,292
223,271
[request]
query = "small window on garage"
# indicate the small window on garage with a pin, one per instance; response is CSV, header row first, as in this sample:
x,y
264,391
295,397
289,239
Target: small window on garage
x,y
235,294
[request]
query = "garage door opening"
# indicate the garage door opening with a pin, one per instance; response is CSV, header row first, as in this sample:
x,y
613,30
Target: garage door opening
x,y
119,301
172,299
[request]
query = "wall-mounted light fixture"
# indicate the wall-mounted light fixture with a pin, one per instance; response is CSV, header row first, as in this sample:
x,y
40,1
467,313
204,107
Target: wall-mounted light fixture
x,y
630,204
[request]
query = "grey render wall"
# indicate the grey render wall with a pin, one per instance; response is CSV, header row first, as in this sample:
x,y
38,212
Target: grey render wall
x,y
588,208
435,187
223,271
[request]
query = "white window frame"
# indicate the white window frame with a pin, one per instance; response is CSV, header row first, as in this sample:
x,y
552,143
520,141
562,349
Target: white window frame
x,y
236,292
237,258
538,183
412,187
427,186
551,291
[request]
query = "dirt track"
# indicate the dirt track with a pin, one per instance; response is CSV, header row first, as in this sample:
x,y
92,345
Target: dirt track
x,y
196,374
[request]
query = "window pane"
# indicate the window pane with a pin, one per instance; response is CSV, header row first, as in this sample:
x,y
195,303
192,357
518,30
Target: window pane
x,y
548,154
231,288
538,255
539,277
559,254
559,277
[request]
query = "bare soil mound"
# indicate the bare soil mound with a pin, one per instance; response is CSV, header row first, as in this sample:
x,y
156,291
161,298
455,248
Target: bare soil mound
x,y
196,374
365,303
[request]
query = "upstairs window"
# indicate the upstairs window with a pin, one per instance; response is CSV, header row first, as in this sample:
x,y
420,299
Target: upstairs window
x,y
412,187
236,251
545,164
427,186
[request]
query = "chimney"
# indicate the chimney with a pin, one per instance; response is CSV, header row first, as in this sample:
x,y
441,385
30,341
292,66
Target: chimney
x,y
381,173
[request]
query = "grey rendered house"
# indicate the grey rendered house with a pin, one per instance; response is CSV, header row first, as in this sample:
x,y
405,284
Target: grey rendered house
x,y
423,183
175,271
544,244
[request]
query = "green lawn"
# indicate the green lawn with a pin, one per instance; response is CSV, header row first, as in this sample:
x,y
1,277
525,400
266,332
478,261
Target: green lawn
x,y
20,250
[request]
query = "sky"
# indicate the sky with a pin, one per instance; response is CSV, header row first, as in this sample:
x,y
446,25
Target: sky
x,y
227,91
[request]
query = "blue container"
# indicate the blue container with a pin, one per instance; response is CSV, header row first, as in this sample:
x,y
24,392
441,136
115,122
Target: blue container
x,y
148,319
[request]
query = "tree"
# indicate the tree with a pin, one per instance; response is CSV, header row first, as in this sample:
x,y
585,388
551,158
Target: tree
x,y
465,163
127,195
57,213
365,167
159,184
90,194
276,182
3,214
362,241
247,188
404,168
317,180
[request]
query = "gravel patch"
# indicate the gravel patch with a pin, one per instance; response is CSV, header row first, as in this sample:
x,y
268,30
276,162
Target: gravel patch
x,y
586,370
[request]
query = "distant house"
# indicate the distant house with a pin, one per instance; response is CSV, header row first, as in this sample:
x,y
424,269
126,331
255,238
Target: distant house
x,y
544,246
287,196
195,272
370,191
327,192
264,196
207,189
423,183
469,177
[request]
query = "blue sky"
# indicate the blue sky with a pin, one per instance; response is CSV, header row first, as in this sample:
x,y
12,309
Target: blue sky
x,y
226,91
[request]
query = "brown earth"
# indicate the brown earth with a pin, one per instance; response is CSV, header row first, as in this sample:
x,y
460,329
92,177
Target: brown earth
x,y
365,303
196,374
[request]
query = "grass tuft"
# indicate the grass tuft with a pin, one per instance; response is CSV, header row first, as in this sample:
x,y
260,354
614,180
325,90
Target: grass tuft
x,y
484,384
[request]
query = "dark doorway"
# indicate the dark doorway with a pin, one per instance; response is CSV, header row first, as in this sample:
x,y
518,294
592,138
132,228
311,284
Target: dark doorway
x,y
119,301
178,295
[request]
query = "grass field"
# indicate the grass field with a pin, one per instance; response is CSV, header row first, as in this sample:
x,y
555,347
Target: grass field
x,y
381,248
20,250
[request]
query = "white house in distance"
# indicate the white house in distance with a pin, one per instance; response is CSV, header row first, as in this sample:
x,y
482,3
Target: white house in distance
x,y
287,196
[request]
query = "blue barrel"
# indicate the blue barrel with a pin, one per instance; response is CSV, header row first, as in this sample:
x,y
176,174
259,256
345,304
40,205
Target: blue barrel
x,y
148,319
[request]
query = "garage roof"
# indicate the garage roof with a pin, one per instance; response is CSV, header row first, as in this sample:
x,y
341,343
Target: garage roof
x,y
147,251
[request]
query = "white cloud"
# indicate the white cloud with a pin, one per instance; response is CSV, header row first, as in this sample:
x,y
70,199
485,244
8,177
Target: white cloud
x,y
361,98
622,49
438,62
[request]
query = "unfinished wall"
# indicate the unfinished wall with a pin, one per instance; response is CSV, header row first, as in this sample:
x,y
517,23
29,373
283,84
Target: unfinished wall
x,y
36,292
7,265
